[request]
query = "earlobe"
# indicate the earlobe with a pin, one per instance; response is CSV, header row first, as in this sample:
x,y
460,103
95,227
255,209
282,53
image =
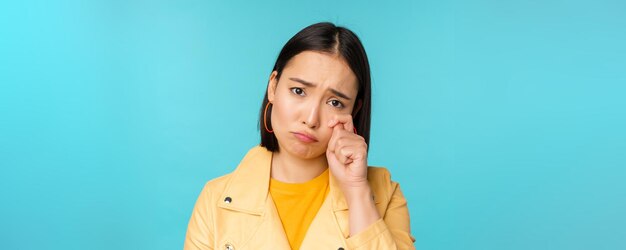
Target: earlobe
x,y
271,86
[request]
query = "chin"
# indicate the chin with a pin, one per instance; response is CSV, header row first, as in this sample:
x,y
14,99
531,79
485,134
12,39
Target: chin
x,y
304,151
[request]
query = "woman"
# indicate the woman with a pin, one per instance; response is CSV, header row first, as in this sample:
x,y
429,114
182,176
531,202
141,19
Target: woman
x,y
307,185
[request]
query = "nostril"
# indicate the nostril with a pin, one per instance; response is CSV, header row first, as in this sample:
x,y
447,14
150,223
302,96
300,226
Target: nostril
x,y
310,125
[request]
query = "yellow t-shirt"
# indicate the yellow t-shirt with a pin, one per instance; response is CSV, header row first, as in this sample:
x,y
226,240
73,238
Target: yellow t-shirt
x,y
297,205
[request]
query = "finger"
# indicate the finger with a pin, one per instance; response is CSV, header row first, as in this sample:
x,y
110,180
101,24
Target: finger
x,y
335,123
332,143
349,148
345,119
358,151
346,138
342,154
349,154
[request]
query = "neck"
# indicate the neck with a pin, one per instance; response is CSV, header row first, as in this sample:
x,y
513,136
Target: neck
x,y
292,169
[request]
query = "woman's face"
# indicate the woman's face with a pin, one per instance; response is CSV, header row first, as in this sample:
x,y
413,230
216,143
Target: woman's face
x,y
313,88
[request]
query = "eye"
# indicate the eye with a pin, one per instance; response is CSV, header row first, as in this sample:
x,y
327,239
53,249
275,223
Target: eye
x,y
297,91
336,103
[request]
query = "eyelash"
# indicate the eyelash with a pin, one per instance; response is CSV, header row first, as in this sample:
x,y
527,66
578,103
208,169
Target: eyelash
x,y
295,89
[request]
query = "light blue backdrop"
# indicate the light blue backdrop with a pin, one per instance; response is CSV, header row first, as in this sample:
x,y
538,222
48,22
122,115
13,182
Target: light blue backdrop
x,y
502,121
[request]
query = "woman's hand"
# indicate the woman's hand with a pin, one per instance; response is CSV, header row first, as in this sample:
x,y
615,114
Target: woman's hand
x,y
347,154
347,160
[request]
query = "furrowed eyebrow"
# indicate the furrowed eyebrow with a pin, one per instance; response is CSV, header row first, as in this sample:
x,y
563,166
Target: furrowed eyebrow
x,y
312,85
342,95
305,83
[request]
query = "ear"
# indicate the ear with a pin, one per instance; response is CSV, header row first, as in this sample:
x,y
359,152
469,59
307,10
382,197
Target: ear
x,y
356,109
271,86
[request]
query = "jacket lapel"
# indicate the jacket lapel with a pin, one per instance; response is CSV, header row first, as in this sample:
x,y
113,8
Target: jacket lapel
x,y
249,184
248,192
331,222
325,231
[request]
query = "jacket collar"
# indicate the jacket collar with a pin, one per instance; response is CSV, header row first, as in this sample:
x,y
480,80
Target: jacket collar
x,y
249,184
248,187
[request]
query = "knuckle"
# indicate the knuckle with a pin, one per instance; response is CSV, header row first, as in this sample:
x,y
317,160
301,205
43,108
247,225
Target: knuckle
x,y
341,141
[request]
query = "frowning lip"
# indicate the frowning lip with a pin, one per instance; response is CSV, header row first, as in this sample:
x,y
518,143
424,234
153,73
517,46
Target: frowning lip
x,y
305,137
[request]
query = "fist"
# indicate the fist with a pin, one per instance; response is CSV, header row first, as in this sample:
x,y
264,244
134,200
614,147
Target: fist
x,y
347,153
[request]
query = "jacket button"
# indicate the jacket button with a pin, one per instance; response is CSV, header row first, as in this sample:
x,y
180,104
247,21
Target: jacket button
x,y
228,200
228,246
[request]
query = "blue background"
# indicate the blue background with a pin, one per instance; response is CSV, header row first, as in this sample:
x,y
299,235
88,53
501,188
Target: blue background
x,y
503,121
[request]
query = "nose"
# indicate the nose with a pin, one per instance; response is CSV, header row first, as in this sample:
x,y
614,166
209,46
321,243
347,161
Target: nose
x,y
312,116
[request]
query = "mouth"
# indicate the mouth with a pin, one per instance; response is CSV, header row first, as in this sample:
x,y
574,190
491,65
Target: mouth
x,y
304,137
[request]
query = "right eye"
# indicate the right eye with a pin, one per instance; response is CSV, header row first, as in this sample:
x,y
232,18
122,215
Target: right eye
x,y
297,91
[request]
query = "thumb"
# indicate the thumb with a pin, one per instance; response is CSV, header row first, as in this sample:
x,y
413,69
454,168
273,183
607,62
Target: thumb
x,y
333,164
332,159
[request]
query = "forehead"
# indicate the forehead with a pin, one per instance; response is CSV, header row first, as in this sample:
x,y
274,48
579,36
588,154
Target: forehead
x,y
323,69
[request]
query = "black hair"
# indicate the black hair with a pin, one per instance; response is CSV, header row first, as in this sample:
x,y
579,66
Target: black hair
x,y
329,38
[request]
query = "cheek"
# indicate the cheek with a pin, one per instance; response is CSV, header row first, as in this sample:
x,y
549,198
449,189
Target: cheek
x,y
281,114
277,116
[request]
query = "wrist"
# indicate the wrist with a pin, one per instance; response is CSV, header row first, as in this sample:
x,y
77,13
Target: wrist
x,y
361,208
359,195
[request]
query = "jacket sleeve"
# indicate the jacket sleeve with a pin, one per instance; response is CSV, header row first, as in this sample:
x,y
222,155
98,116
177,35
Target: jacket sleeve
x,y
392,231
200,228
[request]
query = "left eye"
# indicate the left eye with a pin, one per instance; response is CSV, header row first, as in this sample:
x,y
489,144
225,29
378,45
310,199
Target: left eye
x,y
297,91
336,103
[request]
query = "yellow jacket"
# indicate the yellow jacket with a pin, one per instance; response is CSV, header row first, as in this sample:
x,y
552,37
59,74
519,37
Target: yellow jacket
x,y
235,211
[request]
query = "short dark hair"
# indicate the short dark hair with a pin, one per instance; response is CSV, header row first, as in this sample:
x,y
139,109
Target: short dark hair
x,y
329,38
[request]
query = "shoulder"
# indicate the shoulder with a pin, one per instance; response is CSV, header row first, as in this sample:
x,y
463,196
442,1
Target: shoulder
x,y
248,166
214,187
379,175
381,183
